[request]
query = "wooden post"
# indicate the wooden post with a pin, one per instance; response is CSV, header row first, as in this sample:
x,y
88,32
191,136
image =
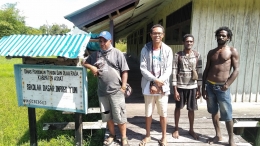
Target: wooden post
x,y
111,29
32,126
78,129
238,130
257,140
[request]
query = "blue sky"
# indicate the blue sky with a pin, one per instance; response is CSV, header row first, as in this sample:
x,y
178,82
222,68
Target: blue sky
x,y
40,12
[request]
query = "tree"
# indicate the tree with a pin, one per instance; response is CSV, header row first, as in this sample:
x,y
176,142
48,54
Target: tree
x,y
11,22
44,29
54,29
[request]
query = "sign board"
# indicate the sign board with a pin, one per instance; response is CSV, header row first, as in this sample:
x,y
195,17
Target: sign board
x,y
52,87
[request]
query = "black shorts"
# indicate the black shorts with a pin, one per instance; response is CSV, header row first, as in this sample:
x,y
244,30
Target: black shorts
x,y
187,97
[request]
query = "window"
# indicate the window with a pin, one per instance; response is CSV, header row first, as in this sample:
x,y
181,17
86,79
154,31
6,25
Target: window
x,y
148,28
141,34
135,38
178,24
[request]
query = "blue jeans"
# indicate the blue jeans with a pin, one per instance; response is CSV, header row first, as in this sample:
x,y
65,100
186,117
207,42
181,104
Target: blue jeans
x,y
218,99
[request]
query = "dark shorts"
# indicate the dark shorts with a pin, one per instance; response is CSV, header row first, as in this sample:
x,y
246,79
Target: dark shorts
x,y
187,97
219,100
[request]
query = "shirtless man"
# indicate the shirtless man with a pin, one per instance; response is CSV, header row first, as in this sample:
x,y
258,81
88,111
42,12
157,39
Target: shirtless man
x,y
217,78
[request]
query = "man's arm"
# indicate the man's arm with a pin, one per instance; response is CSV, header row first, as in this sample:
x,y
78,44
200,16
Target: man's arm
x,y
199,70
144,66
92,68
205,75
175,69
124,79
235,66
206,70
174,76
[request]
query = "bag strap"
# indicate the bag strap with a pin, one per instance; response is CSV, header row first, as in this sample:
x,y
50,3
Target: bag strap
x,y
112,65
196,54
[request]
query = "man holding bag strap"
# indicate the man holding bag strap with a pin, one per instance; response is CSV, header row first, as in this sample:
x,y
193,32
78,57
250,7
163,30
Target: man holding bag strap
x,y
187,80
110,89
156,68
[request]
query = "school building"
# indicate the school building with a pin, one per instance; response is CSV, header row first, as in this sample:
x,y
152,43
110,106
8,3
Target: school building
x,y
132,20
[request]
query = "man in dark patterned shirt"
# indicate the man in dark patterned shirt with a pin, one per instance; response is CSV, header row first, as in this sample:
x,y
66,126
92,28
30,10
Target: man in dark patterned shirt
x,y
187,77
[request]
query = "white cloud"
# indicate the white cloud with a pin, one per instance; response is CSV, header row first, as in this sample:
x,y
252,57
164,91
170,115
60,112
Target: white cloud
x,y
40,12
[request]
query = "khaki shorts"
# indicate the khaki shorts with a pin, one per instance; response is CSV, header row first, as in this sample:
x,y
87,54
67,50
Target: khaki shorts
x,y
161,102
113,108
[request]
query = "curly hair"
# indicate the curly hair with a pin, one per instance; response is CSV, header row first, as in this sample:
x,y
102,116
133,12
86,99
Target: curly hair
x,y
187,35
229,32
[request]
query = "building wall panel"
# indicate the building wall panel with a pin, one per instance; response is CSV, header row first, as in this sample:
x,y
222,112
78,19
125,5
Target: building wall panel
x,y
242,16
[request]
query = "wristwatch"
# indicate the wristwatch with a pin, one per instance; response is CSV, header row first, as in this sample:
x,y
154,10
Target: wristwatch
x,y
124,88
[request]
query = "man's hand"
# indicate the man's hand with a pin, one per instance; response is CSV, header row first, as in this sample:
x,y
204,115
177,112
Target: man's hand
x,y
159,83
198,94
122,90
204,94
94,70
176,96
224,87
155,90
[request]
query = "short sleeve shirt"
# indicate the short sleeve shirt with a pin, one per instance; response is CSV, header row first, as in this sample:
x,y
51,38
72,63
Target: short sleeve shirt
x,y
108,81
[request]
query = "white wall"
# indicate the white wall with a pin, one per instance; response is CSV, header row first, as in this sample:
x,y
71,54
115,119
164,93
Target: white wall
x,y
243,18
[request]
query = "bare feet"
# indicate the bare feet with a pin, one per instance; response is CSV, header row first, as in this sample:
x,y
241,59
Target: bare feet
x,y
214,139
194,135
145,141
175,134
231,143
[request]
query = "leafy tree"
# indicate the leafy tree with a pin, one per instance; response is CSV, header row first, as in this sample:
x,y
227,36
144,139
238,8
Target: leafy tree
x,y
44,29
54,29
11,22
33,31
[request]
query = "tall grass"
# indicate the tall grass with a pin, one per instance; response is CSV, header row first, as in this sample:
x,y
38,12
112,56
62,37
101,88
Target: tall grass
x,y
14,120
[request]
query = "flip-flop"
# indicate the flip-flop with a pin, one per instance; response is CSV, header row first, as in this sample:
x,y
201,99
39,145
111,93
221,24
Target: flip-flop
x,y
143,143
161,143
127,144
107,142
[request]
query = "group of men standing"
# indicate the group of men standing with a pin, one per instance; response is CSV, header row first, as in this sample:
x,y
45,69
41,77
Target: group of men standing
x,y
157,64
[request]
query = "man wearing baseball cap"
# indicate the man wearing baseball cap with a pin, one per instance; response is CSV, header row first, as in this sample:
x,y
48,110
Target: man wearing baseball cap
x,y
110,90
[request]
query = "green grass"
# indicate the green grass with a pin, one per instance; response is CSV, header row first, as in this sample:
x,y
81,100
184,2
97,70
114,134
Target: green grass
x,y
14,125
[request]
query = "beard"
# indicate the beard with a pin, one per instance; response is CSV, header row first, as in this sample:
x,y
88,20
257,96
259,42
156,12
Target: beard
x,y
222,42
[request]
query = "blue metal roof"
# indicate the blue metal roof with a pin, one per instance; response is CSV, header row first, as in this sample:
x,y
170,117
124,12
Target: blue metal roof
x,y
69,46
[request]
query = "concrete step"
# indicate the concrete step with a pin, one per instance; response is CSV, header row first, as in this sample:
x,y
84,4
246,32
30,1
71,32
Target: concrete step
x,y
71,125
91,110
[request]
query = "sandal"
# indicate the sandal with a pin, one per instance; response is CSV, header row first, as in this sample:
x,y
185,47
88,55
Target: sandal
x,y
161,143
125,139
143,143
107,142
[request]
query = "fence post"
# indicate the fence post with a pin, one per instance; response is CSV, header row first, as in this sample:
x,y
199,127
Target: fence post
x,y
257,140
32,126
78,129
